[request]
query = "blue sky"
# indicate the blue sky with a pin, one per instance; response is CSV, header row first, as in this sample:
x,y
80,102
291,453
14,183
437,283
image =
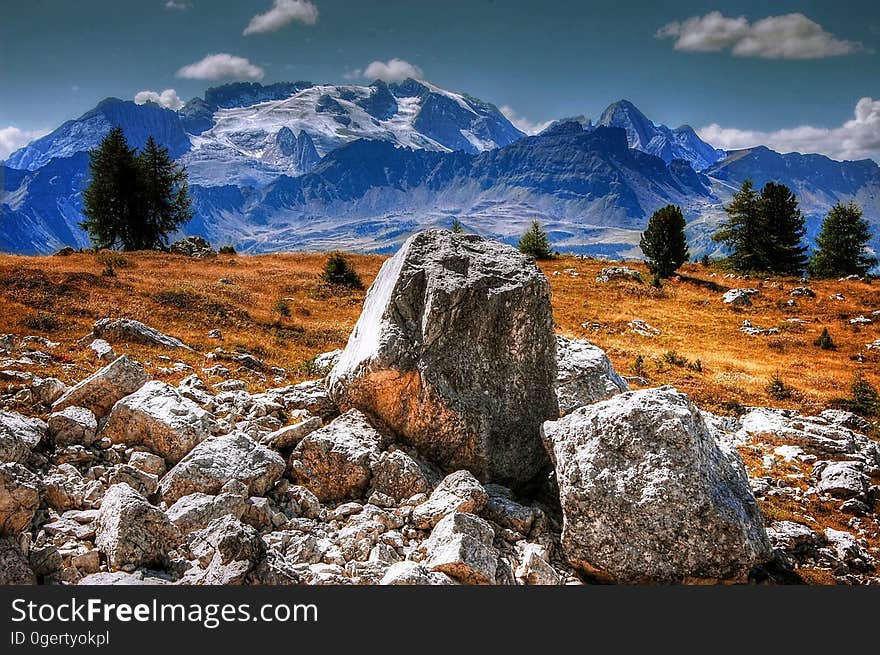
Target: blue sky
x,y
793,74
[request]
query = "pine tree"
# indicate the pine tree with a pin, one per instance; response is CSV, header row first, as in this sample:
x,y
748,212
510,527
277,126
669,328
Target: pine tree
x,y
781,218
664,243
165,196
841,244
535,243
111,200
742,233
457,227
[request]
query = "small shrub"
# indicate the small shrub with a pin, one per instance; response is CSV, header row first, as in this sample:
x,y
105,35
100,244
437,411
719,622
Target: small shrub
x,y
111,260
674,359
777,389
824,341
864,398
308,368
705,261
456,227
656,282
227,250
638,367
339,272
696,366
281,308
42,322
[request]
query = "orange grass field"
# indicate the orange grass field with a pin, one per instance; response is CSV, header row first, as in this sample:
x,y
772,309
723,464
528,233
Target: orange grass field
x,y
60,297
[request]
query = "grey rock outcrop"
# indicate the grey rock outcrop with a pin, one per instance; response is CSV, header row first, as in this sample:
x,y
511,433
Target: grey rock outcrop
x,y
18,435
159,417
455,352
100,391
19,498
216,461
130,531
335,462
73,425
584,375
648,495
126,329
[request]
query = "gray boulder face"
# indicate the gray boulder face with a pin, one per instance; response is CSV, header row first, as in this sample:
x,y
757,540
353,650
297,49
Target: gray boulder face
x,y
455,353
216,461
73,425
130,531
126,329
649,496
457,492
19,498
14,566
398,475
461,547
18,435
159,417
100,391
584,375
335,462
196,511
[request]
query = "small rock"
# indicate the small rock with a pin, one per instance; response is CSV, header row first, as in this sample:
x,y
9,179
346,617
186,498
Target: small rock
x,y
19,498
460,546
458,492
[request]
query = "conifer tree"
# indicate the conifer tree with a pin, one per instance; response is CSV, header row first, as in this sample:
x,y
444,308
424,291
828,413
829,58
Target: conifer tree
x,y
664,243
783,224
841,247
742,231
111,200
165,193
535,243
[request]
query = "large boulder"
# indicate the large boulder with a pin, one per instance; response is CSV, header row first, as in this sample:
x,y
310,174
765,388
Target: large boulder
x,y
159,417
216,461
18,435
130,531
100,391
648,495
584,375
455,352
19,498
335,462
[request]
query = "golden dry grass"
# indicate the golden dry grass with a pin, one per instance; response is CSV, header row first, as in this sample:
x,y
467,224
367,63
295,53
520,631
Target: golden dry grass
x,y
185,298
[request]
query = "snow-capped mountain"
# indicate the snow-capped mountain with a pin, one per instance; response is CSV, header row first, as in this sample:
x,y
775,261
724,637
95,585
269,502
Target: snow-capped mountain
x,y
301,166
659,140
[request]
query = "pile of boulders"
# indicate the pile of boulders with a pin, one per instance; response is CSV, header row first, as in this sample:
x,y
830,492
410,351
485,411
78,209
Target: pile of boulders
x,y
195,247
455,440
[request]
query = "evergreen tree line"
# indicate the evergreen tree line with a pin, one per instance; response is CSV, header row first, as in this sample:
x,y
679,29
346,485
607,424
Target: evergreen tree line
x,y
134,200
764,233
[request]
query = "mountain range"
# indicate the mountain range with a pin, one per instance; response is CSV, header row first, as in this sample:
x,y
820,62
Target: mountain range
x,y
299,166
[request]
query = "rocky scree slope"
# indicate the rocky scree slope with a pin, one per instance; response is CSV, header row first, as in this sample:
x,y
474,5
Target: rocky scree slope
x,y
542,468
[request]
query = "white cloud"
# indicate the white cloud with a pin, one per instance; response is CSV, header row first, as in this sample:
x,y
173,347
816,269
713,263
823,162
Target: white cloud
x,y
282,13
393,70
858,138
790,36
12,138
176,5
167,98
523,123
222,66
